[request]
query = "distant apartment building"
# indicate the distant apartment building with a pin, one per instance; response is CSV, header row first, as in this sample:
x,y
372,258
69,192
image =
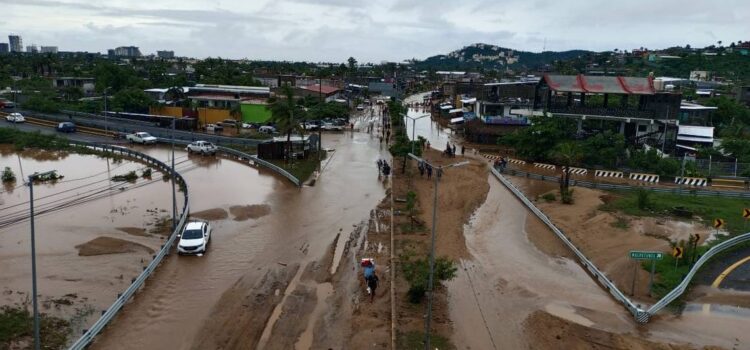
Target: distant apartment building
x,y
125,51
32,49
48,49
16,44
165,54
4,48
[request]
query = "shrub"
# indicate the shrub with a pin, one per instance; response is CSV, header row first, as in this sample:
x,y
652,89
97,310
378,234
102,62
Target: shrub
x,y
130,177
8,175
549,197
417,273
146,173
644,199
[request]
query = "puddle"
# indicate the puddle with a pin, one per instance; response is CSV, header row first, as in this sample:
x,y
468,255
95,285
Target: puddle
x,y
567,312
717,310
322,292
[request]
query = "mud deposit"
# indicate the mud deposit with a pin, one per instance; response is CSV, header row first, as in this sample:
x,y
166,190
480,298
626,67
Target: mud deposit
x,y
135,231
549,332
211,214
238,319
244,212
109,245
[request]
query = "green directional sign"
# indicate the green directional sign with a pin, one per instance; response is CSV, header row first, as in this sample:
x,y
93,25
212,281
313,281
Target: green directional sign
x,y
641,255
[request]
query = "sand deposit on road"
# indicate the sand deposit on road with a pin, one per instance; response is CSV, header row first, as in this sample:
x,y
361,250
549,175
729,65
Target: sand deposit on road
x,y
244,212
109,245
211,214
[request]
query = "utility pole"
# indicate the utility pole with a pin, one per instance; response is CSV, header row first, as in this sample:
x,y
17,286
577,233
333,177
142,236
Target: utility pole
x,y
106,125
438,170
32,177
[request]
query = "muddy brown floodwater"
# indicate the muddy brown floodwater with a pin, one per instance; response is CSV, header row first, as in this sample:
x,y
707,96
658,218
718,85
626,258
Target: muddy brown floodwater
x,y
109,226
173,310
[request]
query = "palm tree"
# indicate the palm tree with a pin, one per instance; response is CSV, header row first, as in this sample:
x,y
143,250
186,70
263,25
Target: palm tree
x,y
175,94
286,114
567,154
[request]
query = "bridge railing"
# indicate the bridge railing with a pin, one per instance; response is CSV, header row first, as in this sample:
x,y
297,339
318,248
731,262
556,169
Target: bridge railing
x,y
122,298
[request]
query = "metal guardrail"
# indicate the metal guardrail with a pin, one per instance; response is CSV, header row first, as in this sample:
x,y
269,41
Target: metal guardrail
x,y
606,186
641,315
600,276
682,287
243,156
89,335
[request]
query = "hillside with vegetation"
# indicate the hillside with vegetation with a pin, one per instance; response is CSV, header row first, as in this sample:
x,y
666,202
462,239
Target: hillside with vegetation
x,y
490,57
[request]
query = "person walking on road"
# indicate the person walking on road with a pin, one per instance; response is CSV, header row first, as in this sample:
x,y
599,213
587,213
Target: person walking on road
x,y
421,168
372,286
454,150
462,150
429,171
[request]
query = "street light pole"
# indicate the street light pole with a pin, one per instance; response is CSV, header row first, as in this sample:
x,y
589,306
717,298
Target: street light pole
x,y
174,193
413,128
430,282
37,339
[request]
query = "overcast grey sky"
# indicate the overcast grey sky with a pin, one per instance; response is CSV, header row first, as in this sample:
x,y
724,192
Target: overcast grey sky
x,y
371,31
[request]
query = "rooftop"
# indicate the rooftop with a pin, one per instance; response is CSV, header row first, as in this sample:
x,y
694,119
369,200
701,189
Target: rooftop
x,y
325,89
232,89
600,84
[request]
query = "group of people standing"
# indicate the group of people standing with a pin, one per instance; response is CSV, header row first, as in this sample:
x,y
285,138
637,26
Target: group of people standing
x,y
450,150
383,168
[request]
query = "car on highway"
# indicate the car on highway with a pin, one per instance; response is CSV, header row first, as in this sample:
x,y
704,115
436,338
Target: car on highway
x,y
15,118
229,123
66,127
194,238
141,137
333,127
267,129
214,127
202,147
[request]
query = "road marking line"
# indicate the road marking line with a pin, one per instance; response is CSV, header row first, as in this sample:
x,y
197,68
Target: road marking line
x,y
726,272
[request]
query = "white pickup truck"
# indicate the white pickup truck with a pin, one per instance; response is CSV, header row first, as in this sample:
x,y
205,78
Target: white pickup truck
x,y
202,147
141,137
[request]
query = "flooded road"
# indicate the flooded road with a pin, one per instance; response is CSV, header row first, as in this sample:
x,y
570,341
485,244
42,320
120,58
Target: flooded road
x,y
302,223
81,207
437,135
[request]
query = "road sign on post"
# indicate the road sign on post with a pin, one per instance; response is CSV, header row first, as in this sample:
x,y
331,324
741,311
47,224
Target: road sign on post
x,y
746,213
644,255
718,223
677,252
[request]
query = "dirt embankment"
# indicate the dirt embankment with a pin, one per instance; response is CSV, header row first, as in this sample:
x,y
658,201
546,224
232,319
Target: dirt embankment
x,y
548,332
605,237
109,245
461,191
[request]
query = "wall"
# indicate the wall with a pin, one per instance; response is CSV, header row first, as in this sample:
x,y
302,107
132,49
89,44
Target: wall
x,y
211,115
255,113
166,111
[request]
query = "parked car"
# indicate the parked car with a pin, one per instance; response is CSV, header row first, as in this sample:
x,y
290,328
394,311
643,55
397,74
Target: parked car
x,y
267,129
311,126
66,127
202,147
360,108
229,123
141,137
333,127
194,238
15,118
249,126
7,104
214,127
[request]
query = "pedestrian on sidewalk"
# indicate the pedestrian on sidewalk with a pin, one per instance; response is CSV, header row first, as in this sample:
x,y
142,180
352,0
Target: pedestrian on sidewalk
x,y
429,171
372,286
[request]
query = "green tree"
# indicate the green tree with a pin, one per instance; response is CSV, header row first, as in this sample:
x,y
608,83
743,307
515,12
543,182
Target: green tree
x,y
286,114
352,64
534,142
131,99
